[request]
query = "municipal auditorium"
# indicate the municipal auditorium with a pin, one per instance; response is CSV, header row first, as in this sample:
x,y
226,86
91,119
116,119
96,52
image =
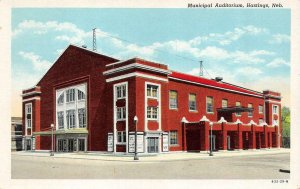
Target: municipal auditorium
x,y
92,102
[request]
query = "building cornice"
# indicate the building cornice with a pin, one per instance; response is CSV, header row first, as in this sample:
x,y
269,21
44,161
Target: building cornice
x,y
136,65
136,74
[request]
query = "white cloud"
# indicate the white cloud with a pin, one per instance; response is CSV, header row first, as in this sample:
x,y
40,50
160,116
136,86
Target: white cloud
x,y
279,39
250,71
38,63
214,53
277,62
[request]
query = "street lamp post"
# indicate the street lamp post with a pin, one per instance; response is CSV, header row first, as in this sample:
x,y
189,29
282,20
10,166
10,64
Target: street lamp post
x,y
135,119
52,128
211,151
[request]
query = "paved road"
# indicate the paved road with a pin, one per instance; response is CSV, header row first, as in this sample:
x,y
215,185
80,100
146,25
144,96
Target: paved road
x,y
240,167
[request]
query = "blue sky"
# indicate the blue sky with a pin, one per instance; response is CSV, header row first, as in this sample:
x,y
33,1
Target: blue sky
x,y
248,47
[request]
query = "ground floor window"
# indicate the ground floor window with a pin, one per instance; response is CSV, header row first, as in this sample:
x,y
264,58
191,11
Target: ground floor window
x,y
173,138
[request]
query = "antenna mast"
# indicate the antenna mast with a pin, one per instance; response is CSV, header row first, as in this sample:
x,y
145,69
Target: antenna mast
x,y
94,40
201,68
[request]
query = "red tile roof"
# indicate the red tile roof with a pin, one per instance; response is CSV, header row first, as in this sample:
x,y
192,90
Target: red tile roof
x,y
211,83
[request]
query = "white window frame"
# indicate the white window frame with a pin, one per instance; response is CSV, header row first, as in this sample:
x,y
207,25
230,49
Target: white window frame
x,y
223,100
260,109
70,95
277,109
212,105
82,118
60,115
80,95
70,119
152,87
195,103
152,114
121,91
123,137
121,113
250,114
173,133
238,114
171,107
28,111
61,99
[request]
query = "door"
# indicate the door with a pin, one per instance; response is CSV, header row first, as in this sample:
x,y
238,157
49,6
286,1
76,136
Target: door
x,y
61,145
81,144
152,144
228,143
28,144
70,145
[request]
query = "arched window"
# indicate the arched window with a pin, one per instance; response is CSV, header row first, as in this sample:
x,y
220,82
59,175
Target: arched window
x,y
60,99
81,95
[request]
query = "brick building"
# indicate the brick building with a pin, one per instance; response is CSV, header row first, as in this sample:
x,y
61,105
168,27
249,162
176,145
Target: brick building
x,y
92,100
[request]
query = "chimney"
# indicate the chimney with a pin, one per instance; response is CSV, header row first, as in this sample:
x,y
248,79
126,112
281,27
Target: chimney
x,y
218,79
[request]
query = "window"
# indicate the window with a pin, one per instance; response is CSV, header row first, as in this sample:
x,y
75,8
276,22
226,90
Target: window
x,y
192,102
60,99
260,121
121,113
81,95
70,95
250,114
224,103
28,112
152,112
60,119
173,99
275,109
82,118
238,104
121,91
152,91
121,136
209,104
260,109
173,138
71,119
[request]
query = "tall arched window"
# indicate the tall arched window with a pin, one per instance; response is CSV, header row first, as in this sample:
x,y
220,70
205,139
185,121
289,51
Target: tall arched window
x,y
60,99
81,95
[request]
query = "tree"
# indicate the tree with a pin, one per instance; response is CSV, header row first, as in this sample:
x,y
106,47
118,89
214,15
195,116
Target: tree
x,y
286,119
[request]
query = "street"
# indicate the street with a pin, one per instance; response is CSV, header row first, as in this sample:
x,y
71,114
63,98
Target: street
x,y
239,167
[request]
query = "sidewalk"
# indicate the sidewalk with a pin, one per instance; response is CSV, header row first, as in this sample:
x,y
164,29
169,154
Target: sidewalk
x,y
171,156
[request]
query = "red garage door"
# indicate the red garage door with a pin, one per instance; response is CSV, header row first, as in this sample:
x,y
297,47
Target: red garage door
x,y
193,140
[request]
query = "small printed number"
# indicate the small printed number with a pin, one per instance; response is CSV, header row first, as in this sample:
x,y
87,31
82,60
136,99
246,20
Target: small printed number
x,y
280,181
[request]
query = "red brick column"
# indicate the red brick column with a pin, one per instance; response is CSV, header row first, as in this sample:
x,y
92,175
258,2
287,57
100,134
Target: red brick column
x,y
253,137
206,136
240,134
266,136
276,138
270,138
224,136
183,136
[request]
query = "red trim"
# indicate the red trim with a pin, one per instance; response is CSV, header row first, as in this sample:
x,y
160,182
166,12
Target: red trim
x,y
209,82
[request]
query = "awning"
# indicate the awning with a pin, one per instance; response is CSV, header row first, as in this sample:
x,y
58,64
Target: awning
x,y
61,132
235,109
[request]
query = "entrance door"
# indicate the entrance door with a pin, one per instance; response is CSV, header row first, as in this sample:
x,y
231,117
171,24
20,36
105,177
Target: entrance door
x,y
213,140
61,145
152,144
228,143
28,144
70,145
81,144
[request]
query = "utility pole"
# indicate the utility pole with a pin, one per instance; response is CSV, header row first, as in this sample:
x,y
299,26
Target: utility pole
x,y
94,40
201,68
